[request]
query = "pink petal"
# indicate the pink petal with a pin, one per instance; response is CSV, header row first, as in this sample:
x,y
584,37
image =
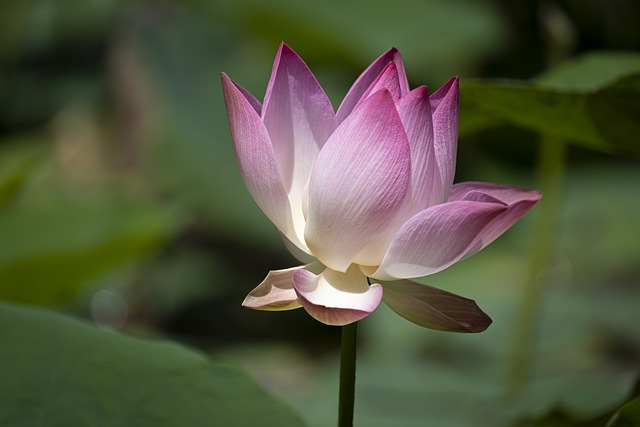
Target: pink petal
x,y
436,238
426,188
275,293
358,183
434,308
368,77
518,201
388,79
298,117
336,298
250,98
444,104
258,165
415,112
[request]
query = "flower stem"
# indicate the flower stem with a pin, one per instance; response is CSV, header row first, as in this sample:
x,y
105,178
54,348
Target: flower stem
x,y
347,375
522,357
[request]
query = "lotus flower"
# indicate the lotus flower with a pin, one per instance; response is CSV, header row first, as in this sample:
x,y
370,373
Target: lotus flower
x,y
364,197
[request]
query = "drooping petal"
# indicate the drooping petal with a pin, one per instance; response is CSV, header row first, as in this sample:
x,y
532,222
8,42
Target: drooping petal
x,y
435,238
298,116
444,105
369,75
258,165
434,308
358,182
275,292
336,298
518,201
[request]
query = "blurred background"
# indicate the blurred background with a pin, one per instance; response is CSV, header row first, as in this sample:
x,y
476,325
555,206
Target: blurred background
x,y
121,201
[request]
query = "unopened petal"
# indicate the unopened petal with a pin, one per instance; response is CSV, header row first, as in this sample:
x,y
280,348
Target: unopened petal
x,y
518,201
426,187
256,158
250,98
444,105
435,238
434,308
388,79
336,298
369,75
298,116
358,183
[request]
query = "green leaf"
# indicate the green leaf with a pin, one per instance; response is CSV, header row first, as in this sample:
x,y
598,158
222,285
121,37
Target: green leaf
x,y
57,371
593,102
47,255
15,168
591,71
627,416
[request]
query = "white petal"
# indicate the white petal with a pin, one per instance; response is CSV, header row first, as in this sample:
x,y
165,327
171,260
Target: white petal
x,y
358,182
336,298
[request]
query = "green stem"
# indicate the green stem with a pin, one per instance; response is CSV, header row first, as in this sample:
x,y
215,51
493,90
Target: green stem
x,y
551,166
347,375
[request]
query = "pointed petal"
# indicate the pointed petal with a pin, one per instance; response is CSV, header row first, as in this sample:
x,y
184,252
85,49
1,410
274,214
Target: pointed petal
x,y
518,201
250,98
436,238
358,183
434,308
369,75
444,104
424,190
426,186
387,79
256,158
298,117
336,298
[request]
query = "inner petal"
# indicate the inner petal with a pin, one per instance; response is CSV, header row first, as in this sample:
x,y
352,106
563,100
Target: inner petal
x,y
336,298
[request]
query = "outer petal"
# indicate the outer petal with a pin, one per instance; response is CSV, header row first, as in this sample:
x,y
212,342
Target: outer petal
x,y
518,200
358,183
369,75
436,238
298,116
276,292
336,298
434,308
258,165
444,104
